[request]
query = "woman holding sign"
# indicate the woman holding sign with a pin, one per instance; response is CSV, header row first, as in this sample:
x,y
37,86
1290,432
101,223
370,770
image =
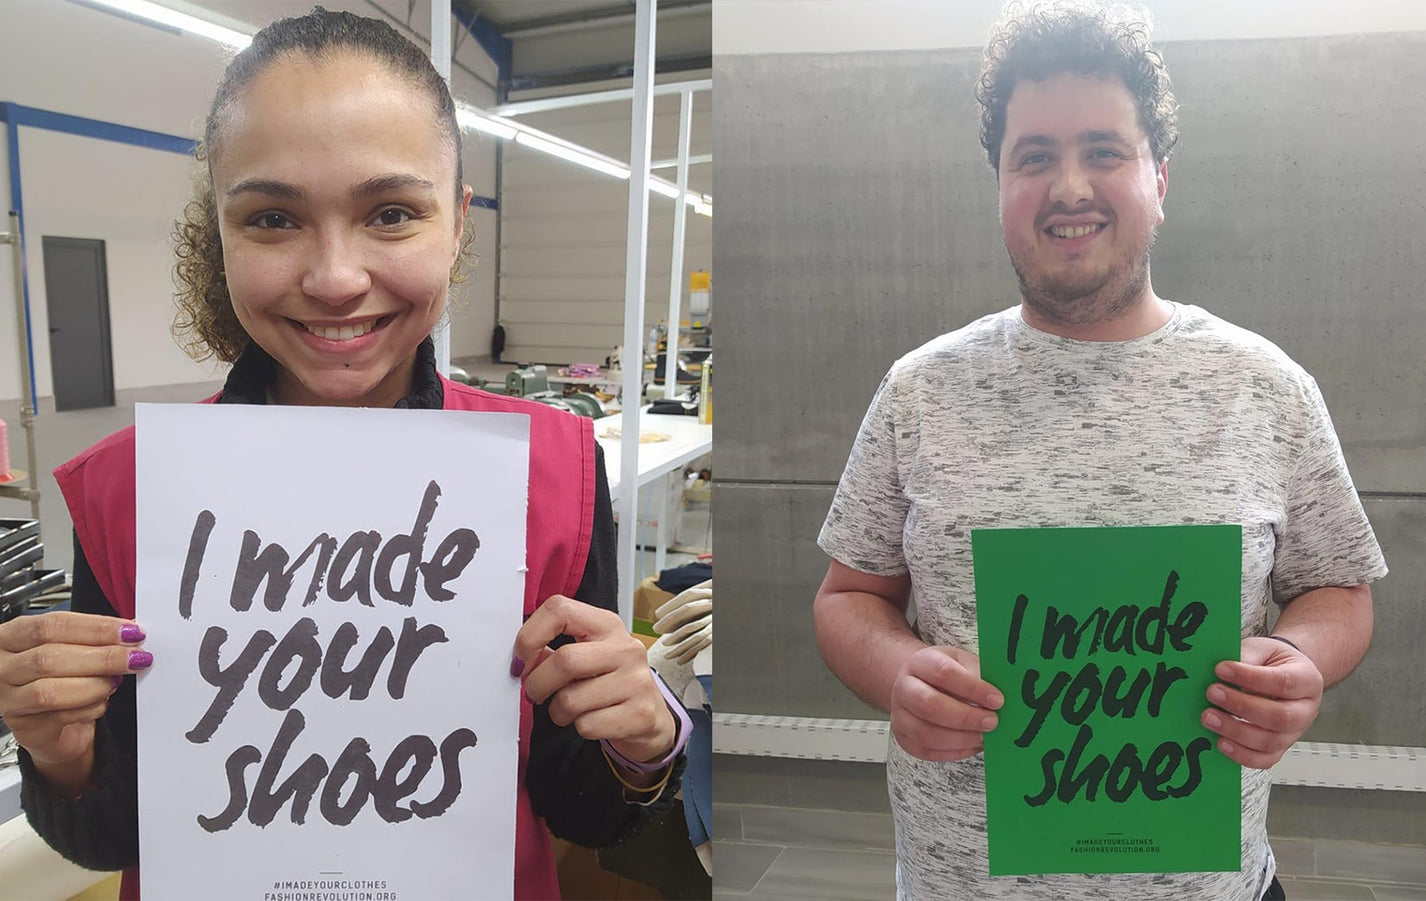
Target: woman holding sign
x,y
316,258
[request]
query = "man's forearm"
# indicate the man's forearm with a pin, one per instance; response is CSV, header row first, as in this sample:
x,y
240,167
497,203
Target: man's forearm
x,y
864,640
1332,626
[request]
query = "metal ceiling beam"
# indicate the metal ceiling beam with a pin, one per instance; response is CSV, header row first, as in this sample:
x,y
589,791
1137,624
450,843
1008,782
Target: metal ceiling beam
x,y
605,72
495,44
641,130
441,60
418,36
598,19
546,104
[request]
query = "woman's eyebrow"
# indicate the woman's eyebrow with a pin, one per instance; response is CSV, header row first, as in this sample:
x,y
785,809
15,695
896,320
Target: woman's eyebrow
x,y
379,184
269,187
382,184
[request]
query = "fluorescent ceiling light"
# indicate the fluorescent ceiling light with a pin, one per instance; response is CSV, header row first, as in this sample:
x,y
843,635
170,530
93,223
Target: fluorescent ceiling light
x,y
491,125
505,129
573,155
673,164
174,15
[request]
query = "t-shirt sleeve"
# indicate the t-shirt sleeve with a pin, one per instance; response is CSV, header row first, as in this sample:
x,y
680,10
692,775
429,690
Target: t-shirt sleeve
x,y
1325,539
864,525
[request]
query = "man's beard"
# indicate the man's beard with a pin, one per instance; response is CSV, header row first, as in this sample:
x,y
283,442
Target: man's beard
x,y
1092,300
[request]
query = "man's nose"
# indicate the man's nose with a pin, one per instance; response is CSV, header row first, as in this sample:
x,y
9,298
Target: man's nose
x,y
1071,187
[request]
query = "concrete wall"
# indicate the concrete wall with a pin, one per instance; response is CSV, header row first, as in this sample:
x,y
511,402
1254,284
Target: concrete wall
x,y
857,218
73,59
742,27
563,231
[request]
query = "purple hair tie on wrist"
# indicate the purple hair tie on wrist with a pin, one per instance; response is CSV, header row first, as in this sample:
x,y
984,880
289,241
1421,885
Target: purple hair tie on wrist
x,y
682,724
1284,641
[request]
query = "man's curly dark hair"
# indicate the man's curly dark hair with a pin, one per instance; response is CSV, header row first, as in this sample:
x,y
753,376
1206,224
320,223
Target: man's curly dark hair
x,y
1046,39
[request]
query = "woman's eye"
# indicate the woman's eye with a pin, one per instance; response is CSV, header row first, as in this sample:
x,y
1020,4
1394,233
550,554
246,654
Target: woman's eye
x,y
1034,159
272,220
393,216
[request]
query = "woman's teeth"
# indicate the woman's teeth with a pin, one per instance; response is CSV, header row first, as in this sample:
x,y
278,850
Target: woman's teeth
x,y
344,333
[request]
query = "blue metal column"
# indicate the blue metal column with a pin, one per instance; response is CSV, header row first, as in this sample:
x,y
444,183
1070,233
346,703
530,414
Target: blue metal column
x,y
8,112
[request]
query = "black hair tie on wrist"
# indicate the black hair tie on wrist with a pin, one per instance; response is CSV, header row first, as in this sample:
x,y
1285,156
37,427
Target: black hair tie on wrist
x,y
1286,642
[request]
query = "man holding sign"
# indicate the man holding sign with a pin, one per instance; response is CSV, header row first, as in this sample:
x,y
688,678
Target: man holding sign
x,y
1005,472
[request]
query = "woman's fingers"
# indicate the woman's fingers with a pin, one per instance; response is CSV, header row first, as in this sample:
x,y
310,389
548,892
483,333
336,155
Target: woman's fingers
x,y
564,616
582,660
51,661
588,695
66,627
602,645
54,695
616,725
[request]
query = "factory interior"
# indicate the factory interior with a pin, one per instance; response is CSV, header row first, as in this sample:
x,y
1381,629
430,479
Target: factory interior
x,y
102,165
856,221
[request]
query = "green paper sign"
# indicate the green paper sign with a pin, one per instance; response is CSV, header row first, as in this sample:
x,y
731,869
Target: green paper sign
x,y
1103,642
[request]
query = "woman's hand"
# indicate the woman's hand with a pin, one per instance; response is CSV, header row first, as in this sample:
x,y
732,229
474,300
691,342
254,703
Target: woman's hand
x,y
600,682
57,671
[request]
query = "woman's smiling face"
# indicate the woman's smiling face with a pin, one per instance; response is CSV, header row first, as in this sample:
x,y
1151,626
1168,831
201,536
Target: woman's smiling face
x,y
337,205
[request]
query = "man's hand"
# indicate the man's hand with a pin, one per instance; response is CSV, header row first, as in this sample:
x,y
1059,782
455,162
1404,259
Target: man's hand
x,y
1272,698
940,707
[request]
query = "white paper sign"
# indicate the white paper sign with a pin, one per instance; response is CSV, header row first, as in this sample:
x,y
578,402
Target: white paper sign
x,y
331,597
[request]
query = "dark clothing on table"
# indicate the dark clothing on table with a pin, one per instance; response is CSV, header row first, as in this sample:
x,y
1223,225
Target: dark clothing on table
x,y
681,578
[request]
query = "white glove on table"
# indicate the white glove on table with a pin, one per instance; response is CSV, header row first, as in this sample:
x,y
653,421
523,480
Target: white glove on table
x,y
685,627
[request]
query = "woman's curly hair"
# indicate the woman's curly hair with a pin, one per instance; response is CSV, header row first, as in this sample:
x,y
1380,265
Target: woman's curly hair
x,y
205,325
1075,36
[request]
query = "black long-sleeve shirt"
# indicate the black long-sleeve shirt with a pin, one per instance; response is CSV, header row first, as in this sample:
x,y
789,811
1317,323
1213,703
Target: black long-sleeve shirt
x,y
568,781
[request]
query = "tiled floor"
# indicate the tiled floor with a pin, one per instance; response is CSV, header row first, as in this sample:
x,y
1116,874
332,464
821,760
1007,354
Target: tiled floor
x,y
784,853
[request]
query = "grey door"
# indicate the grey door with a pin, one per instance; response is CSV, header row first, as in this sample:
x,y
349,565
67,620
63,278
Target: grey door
x,y
77,296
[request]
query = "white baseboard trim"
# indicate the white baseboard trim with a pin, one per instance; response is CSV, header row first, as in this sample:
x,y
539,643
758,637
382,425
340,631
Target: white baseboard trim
x,y
1317,764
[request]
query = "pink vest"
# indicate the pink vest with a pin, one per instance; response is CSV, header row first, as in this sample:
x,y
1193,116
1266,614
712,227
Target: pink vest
x,y
98,486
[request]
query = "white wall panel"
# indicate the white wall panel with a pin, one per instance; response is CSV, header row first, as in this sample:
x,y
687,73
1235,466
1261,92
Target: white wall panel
x,y
563,232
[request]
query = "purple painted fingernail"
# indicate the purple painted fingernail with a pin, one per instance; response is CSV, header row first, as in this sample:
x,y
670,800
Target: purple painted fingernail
x,y
140,660
131,634
517,667
115,681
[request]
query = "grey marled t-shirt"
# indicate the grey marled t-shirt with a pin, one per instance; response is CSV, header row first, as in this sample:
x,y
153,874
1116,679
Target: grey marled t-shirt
x,y
999,425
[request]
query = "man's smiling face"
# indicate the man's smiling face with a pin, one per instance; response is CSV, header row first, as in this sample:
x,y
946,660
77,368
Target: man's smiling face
x,y
1080,197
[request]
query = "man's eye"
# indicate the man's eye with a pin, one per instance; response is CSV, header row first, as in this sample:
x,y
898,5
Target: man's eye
x,y
1034,159
1104,153
271,220
393,216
